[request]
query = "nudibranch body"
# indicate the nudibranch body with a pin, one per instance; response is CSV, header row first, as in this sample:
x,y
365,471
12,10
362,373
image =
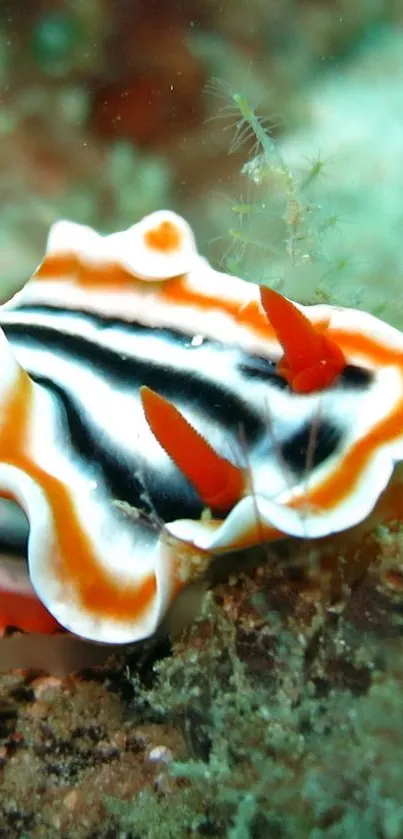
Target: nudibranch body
x,y
139,386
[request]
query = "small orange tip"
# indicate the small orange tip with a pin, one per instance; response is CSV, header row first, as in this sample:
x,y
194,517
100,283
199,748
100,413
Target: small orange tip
x,y
311,361
219,483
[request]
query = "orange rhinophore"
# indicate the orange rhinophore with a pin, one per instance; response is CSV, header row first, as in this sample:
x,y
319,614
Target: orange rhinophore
x,y
311,360
219,483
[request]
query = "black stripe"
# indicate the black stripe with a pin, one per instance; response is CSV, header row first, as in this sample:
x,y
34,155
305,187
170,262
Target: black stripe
x,y
264,369
314,442
356,378
101,322
119,476
250,365
211,399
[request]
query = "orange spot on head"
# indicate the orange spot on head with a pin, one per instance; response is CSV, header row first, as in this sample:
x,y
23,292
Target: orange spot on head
x,y
311,360
218,482
165,238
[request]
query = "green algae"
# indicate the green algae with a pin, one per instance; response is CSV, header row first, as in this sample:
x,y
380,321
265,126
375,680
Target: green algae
x,y
323,216
276,753
279,234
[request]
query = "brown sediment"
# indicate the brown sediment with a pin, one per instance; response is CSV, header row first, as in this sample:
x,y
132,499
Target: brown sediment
x,y
59,654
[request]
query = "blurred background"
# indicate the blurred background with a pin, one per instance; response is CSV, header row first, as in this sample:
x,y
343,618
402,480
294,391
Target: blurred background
x,y
109,111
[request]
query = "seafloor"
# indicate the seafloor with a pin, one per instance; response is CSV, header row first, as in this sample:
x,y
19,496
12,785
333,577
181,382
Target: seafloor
x,y
277,712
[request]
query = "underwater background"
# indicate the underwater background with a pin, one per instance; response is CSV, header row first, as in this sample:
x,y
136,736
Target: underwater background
x,y
275,128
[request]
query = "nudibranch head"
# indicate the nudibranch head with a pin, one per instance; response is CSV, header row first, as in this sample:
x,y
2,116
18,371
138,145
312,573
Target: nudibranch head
x,y
139,386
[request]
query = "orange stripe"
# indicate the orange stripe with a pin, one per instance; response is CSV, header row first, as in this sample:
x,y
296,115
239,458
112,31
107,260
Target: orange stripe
x,y
173,291
341,483
176,292
250,315
95,277
97,589
54,267
258,533
374,350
